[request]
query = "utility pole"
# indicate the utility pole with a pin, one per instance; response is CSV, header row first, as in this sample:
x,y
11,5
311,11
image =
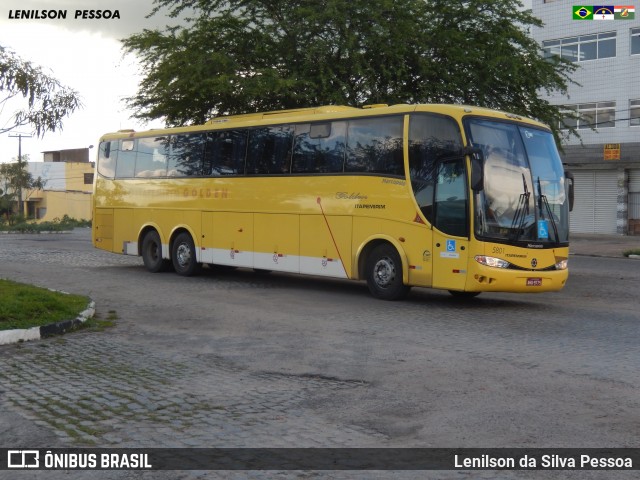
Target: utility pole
x,y
19,136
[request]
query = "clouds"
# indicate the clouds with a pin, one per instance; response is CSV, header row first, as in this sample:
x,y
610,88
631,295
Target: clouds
x,y
84,54
132,15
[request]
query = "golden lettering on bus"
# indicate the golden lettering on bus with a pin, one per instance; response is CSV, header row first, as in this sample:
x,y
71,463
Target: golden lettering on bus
x,y
205,193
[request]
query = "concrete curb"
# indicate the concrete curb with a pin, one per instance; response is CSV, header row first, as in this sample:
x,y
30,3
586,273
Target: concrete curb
x,y
36,333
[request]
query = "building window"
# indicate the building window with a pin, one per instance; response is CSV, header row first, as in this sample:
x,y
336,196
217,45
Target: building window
x,y
635,41
584,47
88,178
634,113
591,115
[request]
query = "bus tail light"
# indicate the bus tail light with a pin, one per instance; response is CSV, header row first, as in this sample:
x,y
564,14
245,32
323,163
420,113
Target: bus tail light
x,y
492,261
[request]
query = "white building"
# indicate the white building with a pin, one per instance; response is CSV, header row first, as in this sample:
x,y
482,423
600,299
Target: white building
x,y
607,164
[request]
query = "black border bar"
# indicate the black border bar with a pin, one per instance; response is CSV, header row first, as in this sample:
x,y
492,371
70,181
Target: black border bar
x,y
320,458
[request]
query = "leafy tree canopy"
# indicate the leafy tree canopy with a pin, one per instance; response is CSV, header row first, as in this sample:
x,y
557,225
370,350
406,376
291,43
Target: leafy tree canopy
x,y
47,101
240,56
14,177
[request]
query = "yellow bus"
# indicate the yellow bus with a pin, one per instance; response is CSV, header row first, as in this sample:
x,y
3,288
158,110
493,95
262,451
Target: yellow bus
x,y
449,197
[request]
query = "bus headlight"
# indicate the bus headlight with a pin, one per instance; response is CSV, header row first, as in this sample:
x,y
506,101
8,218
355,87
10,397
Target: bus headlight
x,y
492,261
562,264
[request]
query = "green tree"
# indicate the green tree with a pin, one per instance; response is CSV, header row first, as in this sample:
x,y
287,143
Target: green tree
x,y
15,178
239,56
46,102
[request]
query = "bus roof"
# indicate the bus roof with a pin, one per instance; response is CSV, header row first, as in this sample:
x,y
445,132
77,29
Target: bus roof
x,y
316,114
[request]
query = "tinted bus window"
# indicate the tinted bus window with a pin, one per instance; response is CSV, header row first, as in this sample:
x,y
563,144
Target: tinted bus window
x,y
270,150
319,148
151,160
451,198
374,145
226,152
127,159
431,138
187,155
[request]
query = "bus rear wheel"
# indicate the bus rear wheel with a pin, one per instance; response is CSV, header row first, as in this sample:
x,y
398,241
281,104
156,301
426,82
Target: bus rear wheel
x,y
152,253
183,255
384,273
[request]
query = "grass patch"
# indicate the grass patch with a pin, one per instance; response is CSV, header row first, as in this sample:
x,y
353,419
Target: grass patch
x,y
97,325
26,306
633,251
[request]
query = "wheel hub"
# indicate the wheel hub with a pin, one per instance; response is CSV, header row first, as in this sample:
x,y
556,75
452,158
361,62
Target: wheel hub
x,y
183,254
384,272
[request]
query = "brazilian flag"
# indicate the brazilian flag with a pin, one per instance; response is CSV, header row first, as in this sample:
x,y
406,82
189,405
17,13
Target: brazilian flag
x,y
581,12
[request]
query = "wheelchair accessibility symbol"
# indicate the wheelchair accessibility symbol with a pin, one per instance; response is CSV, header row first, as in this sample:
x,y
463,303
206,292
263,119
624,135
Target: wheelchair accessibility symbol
x,y
543,229
451,245
450,250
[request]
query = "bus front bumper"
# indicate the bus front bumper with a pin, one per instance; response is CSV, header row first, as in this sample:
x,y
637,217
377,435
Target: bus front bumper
x,y
491,279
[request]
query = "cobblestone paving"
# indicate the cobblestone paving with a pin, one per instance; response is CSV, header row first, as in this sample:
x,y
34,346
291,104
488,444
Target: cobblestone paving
x,y
98,391
438,373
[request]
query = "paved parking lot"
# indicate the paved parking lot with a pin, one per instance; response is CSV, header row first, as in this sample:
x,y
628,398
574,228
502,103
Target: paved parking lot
x,y
238,359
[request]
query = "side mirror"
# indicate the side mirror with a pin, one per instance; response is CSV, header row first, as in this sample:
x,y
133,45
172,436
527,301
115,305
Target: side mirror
x,y
477,167
569,182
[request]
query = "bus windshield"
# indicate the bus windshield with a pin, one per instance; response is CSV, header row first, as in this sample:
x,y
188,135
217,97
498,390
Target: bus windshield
x,y
524,198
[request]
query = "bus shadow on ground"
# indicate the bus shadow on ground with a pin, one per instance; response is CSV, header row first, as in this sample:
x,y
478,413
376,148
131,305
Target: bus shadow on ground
x,y
359,288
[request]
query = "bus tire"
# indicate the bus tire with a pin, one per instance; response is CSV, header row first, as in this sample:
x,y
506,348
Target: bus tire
x,y
183,255
152,253
383,272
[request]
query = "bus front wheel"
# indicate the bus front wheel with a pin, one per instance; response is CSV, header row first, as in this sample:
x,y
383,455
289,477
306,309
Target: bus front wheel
x,y
183,255
152,253
384,273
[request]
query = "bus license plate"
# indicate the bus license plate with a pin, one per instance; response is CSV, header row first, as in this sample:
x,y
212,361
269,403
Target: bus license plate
x,y
534,282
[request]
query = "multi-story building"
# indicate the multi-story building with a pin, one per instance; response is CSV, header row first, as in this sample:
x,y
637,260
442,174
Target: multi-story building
x,y
68,177
606,95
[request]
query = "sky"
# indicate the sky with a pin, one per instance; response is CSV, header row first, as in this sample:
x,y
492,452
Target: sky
x,y
86,55
82,54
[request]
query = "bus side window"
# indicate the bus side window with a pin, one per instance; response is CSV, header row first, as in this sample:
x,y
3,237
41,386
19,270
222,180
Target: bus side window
x,y
451,198
270,150
319,148
374,145
225,152
126,159
431,137
186,156
151,160
107,157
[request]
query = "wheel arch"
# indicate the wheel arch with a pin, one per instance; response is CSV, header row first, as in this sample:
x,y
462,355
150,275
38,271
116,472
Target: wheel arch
x,y
150,227
178,229
367,247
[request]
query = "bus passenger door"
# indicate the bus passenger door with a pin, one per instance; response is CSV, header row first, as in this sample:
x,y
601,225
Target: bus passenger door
x,y
450,226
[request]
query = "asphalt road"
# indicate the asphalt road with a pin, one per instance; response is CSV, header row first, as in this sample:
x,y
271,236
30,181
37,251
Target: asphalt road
x,y
239,359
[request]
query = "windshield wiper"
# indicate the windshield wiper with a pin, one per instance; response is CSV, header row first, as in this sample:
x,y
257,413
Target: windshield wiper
x,y
521,213
543,202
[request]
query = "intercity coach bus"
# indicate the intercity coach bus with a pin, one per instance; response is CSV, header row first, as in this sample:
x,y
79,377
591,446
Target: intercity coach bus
x,y
458,198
